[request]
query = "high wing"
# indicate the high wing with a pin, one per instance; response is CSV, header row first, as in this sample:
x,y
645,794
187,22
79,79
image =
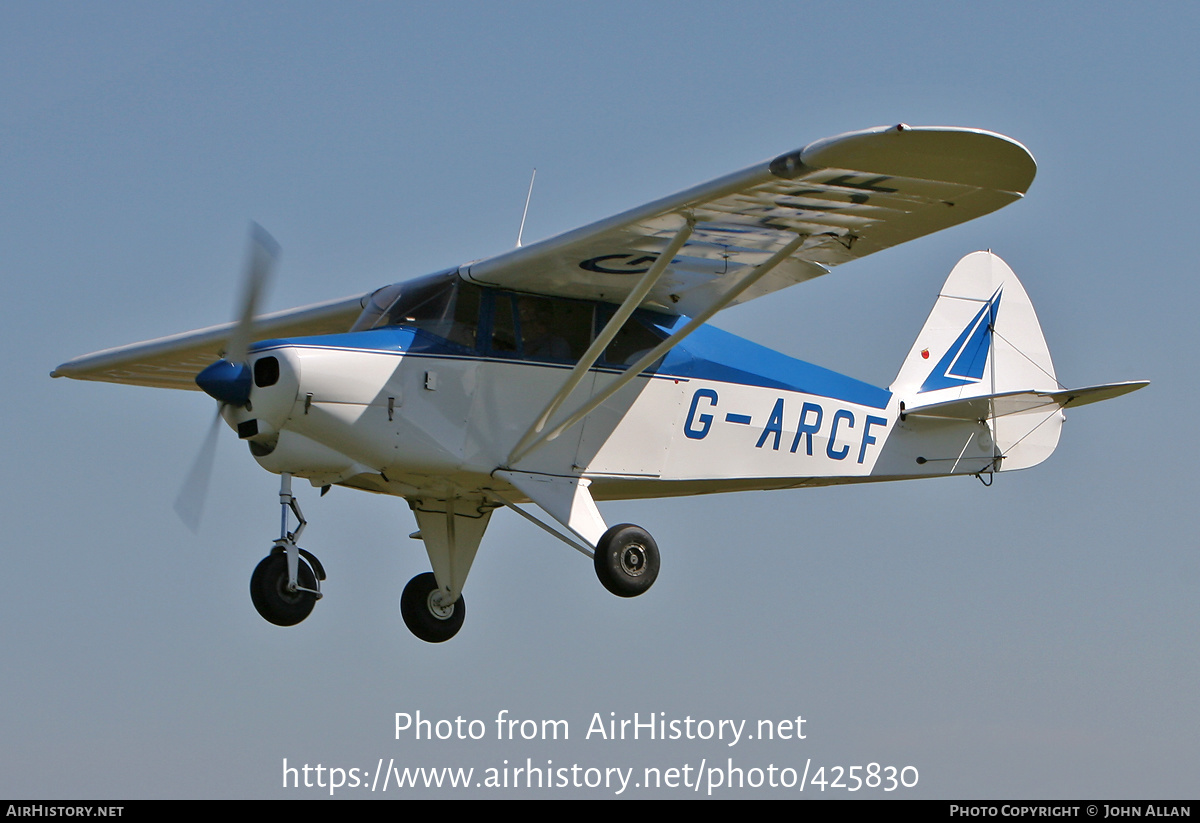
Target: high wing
x,y
847,196
173,362
724,242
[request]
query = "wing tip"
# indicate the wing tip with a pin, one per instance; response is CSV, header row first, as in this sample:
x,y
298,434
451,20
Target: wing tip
x,y
974,157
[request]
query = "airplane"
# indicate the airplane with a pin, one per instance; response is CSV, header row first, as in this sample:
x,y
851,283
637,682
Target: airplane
x,y
581,368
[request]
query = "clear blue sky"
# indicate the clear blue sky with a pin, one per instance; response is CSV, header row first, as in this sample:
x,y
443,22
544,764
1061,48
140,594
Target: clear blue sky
x,y
1035,639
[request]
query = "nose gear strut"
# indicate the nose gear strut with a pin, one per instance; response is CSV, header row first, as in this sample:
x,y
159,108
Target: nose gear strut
x,y
287,583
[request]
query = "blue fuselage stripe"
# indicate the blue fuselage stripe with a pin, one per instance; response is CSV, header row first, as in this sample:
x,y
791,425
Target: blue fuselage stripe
x,y
708,354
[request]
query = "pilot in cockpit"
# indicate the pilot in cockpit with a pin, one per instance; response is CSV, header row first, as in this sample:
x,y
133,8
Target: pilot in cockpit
x,y
540,342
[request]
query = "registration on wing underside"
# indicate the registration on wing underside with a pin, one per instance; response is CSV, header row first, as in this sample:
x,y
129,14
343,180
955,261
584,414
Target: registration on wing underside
x,y
847,197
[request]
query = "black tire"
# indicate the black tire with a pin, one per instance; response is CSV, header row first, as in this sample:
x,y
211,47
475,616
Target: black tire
x,y
627,560
419,614
270,595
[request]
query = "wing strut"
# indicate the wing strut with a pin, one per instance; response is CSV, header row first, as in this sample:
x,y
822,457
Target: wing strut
x,y
589,358
658,351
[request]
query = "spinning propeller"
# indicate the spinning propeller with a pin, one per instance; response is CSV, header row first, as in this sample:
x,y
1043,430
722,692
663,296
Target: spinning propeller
x,y
229,379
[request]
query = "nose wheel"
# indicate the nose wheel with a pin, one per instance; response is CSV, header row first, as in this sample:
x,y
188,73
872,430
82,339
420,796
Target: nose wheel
x,y
286,584
273,595
425,612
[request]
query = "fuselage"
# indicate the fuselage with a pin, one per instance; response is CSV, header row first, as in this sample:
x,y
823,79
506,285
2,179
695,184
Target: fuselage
x,y
442,391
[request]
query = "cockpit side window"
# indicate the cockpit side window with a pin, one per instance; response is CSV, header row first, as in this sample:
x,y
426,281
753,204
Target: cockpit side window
x,y
555,330
504,326
464,326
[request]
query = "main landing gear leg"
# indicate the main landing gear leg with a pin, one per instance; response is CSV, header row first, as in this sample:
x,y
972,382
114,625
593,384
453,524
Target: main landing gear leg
x,y
432,604
286,584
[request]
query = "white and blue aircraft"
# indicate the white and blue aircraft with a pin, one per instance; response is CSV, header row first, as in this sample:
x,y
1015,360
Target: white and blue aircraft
x,y
581,368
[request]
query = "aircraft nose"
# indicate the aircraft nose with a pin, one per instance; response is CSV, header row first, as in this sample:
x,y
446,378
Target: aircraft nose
x,y
226,382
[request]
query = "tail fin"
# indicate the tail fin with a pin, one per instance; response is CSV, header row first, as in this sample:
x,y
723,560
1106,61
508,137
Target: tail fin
x,y
981,340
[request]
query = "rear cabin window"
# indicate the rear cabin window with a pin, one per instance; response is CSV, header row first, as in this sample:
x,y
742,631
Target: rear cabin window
x,y
632,342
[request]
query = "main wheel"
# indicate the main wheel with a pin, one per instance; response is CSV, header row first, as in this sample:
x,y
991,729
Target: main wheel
x,y
627,560
271,596
424,613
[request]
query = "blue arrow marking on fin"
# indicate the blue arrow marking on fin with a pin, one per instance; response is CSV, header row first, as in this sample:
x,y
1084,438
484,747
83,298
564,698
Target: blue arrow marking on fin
x,y
964,361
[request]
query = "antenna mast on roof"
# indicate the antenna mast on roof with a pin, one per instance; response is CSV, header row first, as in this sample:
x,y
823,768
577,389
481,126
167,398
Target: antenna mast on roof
x,y
521,230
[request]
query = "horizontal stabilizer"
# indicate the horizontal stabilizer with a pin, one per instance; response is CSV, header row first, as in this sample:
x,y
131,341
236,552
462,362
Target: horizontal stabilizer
x,y
986,406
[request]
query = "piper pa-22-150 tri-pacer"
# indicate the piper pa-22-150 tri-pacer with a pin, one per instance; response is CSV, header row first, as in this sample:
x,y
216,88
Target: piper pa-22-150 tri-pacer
x,y
580,368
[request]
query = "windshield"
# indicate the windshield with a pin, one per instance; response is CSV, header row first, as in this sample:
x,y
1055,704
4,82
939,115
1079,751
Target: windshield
x,y
439,304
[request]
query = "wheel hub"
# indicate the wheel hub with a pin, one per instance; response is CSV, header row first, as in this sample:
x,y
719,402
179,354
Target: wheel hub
x,y
287,592
633,560
437,607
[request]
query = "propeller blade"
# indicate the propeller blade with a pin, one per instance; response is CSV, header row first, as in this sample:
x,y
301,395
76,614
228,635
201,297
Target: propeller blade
x,y
189,505
228,380
263,253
